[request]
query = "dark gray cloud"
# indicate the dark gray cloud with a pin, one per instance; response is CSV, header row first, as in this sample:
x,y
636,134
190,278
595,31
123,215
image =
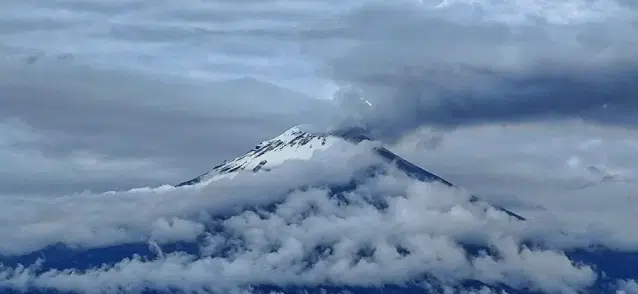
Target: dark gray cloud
x,y
607,97
120,94
445,64
426,65
166,130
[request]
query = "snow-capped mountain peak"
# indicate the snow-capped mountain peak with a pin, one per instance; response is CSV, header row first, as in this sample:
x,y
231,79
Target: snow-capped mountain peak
x,y
294,143
299,144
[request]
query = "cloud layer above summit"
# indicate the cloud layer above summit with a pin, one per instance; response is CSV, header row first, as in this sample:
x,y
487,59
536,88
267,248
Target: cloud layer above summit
x,y
463,63
444,64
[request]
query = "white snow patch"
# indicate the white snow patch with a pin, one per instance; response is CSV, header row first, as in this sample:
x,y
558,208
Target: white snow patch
x,y
294,144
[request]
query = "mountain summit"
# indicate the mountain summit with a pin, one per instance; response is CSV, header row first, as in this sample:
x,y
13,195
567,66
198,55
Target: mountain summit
x,y
304,212
300,144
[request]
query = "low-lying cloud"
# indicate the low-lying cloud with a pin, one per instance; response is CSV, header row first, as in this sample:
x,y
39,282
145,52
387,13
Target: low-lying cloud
x,y
568,172
390,229
458,71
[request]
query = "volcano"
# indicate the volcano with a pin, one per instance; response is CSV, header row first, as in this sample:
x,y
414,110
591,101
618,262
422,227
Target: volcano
x,y
298,144
297,214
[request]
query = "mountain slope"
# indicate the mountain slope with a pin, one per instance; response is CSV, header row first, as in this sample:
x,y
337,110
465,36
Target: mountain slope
x,y
298,144
304,212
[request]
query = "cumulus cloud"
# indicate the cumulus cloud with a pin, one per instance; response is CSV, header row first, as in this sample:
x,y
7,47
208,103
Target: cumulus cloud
x,y
566,172
87,219
195,39
436,65
260,229
459,63
627,287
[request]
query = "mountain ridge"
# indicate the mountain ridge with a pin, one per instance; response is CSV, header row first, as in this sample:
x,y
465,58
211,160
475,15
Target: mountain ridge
x,y
299,144
350,221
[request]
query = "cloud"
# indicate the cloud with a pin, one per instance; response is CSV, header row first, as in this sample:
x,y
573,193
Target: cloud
x,y
69,122
175,229
373,235
627,287
144,88
88,219
467,63
71,127
564,172
441,63
29,167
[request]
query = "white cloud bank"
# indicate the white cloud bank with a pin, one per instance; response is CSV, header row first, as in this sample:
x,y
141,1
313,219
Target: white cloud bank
x,y
389,230
581,175
628,287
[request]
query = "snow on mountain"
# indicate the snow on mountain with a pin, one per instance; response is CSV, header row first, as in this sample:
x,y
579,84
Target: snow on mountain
x,y
304,212
292,144
298,144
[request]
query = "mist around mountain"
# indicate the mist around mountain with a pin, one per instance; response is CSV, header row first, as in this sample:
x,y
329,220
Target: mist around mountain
x,y
525,105
323,213
88,125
